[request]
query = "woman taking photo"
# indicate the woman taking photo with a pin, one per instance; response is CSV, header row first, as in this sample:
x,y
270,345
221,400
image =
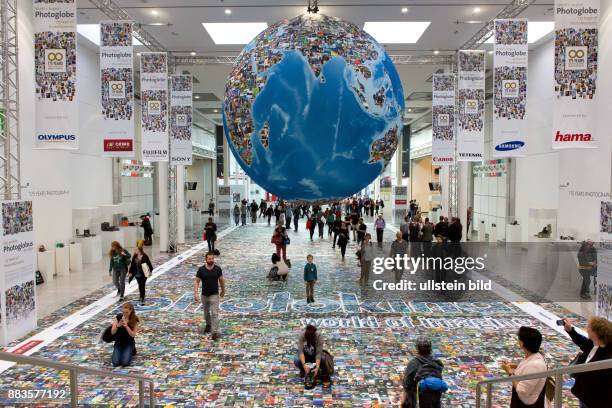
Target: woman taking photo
x,y
124,329
119,262
140,268
310,351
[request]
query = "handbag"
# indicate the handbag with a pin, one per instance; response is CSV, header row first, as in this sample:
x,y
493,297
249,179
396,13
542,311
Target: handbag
x,y
287,241
549,385
107,335
145,270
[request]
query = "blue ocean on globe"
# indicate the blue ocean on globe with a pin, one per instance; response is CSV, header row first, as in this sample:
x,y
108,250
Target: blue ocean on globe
x,y
313,109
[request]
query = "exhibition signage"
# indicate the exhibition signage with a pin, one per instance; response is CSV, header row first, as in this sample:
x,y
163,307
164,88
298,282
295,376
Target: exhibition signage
x,y
470,111
181,117
510,88
443,120
576,49
604,262
17,271
117,87
154,106
55,71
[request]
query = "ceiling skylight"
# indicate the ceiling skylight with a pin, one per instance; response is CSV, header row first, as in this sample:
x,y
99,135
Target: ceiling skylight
x,y
396,32
233,33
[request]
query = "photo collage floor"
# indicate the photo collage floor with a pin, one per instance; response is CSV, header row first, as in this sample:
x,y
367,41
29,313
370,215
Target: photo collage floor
x,y
371,335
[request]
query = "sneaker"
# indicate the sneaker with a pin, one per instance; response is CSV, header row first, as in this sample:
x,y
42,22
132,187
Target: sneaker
x,y
207,329
215,336
121,299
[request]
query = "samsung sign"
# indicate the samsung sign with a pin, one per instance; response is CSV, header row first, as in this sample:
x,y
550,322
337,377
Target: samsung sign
x,y
57,138
506,146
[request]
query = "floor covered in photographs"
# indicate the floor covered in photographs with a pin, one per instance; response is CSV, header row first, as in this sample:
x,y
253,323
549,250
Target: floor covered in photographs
x,y
371,335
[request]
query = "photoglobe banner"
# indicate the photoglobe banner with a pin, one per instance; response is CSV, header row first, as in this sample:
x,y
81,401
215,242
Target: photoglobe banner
x,y
55,69
17,271
154,106
470,125
576,49
117,87
510,88
604,262
443,120
181,117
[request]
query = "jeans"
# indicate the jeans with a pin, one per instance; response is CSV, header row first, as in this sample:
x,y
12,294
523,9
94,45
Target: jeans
x,y
243,220
320,225
288,223
310,289
312,230
253,217
342,250
211,243
211,312
122,354
141,286
236,219
379,234
119,280
586,282
295,222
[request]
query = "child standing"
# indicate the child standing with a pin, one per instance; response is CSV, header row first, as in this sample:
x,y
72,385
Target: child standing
x,y
310,277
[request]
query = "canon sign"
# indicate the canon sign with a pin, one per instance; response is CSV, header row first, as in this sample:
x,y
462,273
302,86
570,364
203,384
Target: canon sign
x,y
573,137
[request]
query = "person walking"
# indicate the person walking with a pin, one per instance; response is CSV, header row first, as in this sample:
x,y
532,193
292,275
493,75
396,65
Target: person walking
x,y
587,267
380,225
118,268
124,328
269,213
343,238
422,367
262,208
210,276
279,239
243,213
288,216
145,223
367,256
310,277
320,222
331,218
426,236
296,217
405,228
310,226
141,268
336,229
398,247
211,234
470,215
211,208
254,209
236,214
362,228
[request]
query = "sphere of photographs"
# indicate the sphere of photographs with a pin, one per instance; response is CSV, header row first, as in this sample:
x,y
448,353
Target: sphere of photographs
x,y
313,108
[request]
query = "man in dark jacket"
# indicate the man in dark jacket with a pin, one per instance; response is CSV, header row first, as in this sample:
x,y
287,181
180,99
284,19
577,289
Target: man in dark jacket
x,y
420,367
594,388
254,208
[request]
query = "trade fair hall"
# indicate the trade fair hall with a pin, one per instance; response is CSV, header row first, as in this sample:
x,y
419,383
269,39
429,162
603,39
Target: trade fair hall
x,y
306,203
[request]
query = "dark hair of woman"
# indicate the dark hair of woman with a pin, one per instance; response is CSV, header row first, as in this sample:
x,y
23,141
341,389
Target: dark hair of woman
x,y
531,338
310,335
275,258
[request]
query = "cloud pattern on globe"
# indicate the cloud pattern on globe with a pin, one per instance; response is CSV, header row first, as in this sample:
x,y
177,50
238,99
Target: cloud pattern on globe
x,y
313,108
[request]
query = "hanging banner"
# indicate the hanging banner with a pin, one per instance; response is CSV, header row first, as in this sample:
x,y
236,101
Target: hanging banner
x,y
443,120
470,111
56,108
154,106
117,87
181,117
604,262
17,271
510,88
576,49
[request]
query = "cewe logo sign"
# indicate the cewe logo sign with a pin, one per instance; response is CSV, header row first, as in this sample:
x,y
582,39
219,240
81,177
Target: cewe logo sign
x,y
116,89
471,106
55,60
576,58
510,88
154,107
117,145
573,137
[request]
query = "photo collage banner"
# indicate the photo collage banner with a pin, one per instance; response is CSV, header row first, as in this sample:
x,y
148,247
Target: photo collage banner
x,y
57,119
117,87
17,271
443,120
510,88
604,262
154,106
471,105
576,49
181,117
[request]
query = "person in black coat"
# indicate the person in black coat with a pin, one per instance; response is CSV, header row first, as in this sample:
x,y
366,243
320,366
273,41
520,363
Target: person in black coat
x,y
593,389
137,271
145,223
422,366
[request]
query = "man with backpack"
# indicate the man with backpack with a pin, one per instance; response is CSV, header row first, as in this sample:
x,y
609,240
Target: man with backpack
x,y
422,381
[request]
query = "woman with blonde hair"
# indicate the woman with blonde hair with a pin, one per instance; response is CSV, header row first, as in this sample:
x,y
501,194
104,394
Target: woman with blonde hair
x,y
140,268
119,263
124,329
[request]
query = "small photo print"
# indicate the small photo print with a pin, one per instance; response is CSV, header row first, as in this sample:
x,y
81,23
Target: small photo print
x,y
20,301
17,217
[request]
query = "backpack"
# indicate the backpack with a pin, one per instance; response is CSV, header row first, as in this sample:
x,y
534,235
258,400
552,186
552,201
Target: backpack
x,y
308,223
429,376
216,252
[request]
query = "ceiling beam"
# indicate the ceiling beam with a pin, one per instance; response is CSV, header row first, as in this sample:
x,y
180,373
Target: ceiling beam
x,y
231,59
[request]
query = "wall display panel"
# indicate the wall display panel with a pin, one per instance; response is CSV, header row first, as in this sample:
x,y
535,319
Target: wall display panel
x,y
17,271
443,120
181,118
471,105
55,71
604,262
154,106
510,88
117,87
576,62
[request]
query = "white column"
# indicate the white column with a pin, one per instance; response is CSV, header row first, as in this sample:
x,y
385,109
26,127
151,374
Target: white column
x,y
377,188
226,163
162,220
399,156
180,204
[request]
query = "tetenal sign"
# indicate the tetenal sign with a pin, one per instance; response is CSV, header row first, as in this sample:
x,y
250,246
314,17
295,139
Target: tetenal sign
x,y
573,137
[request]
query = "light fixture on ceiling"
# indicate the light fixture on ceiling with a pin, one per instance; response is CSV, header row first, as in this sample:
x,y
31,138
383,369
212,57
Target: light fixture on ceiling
x,y
155,12
192,53
233,33
216,110
197,96
228,11
92,33
535,31
490,52
409,110
396,32
436,52
138,54
404,10
476,10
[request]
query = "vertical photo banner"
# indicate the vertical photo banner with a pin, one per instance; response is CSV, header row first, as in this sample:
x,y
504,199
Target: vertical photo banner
x,y
443,120
604,262
181,117
55,50
117,88
17,271
154,106
576,49
510,88
471,103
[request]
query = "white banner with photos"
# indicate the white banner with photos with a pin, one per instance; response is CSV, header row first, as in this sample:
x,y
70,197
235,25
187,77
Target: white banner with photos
x,y
471,103
443,120
117,88
510,88
604,262
55,50
154,106
181,118
17,271
576,50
